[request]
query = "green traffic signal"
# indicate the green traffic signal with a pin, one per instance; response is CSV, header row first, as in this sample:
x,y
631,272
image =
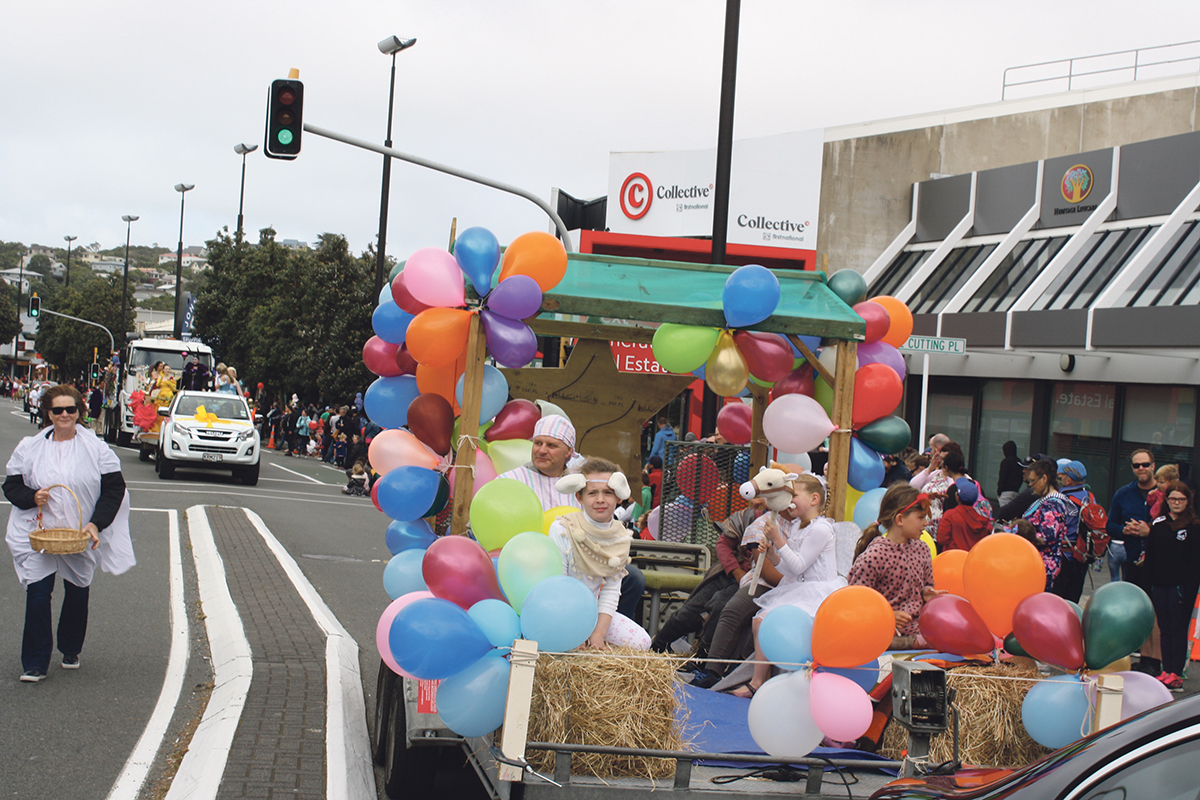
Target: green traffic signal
x,y
285,136
285,107
35,306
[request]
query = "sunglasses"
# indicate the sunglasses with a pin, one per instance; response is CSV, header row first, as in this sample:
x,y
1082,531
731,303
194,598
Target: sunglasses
x,y
1143,465
56,410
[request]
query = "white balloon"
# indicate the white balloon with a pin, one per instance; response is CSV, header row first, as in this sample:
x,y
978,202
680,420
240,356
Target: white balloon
x,y
780,719
549,408
801,460
795,423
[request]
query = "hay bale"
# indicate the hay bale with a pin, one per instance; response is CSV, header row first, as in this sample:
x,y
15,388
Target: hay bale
x,y
991,733
604,699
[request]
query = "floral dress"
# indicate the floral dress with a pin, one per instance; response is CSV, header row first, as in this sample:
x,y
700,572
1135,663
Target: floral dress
x,y
1056,521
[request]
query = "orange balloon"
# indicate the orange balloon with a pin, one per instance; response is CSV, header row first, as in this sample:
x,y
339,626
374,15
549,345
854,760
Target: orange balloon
x,y
537,254
948,572
902,320
854,625
437,335
442,380
1000,572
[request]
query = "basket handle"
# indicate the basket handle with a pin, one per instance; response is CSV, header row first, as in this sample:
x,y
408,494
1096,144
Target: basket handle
x,y
78,508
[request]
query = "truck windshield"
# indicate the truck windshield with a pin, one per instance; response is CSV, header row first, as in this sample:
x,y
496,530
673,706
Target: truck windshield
x,y
140,357
224,408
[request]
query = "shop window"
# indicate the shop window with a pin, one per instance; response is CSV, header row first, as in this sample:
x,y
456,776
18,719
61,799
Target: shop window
x,y
1161,419
1004,415
950,414
1081,428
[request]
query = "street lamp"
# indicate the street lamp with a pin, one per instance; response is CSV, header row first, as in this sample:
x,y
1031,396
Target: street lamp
x,y
129,219
389,47
183,189
242,150
68,240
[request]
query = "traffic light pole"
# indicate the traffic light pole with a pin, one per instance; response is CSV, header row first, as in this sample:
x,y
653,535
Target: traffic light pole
x,y
112,344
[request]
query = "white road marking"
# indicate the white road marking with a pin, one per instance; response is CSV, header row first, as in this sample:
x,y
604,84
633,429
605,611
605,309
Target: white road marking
x,y
129,783
199,774
260,496
297,474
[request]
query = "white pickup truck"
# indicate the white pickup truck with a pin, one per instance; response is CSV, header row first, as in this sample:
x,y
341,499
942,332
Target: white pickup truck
x,y
139,357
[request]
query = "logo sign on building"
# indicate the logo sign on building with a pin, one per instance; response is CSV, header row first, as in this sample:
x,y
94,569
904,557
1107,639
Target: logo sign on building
x,y
1072,187
774,192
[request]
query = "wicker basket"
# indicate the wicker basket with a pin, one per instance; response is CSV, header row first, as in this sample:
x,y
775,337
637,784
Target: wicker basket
x,y
60,541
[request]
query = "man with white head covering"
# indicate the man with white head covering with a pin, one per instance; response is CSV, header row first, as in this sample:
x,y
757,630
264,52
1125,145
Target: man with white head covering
x,y
553,448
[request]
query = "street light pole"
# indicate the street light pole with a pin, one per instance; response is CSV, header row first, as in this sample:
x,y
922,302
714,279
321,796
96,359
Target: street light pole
x,y
389,47
129,220
67,275
242,150
183,189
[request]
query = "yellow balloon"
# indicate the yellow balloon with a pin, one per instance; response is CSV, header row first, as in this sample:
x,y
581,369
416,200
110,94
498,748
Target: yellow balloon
x,y
726,372
852,496
1120,665
927,539
553,514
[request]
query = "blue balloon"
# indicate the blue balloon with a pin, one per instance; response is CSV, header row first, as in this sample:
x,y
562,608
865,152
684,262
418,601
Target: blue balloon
x,y
559,613
390,322
477,252
385,294
403,574
813,343
498,621
494,394
407,493
387,399
866,469
866,510
751,295
408,535
865,675
471,703
433,639
1054,711
785,637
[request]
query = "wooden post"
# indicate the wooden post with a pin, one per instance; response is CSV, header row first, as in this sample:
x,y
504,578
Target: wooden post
x,y
1109,690
839,440
464,460
758,439
516,707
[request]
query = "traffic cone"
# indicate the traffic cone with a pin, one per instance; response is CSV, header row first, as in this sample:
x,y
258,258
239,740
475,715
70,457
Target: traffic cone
x,y
1194,634
271,440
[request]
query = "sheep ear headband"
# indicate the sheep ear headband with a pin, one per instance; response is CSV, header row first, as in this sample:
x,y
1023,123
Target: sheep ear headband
x,y
571,484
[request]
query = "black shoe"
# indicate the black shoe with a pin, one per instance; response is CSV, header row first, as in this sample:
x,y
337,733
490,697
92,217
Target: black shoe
x,y
33,676
706,680
1150,666
70,662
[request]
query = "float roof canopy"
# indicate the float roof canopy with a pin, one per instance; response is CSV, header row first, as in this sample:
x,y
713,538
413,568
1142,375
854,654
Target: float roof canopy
x,y
625,290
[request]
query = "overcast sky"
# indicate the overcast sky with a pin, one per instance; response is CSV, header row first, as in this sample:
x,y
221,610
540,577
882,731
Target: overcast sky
x,y
107,105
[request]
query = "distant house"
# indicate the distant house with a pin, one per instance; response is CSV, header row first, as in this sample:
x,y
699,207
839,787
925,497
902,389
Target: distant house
x,y
11,276
39,250
193,258
111,267
293,244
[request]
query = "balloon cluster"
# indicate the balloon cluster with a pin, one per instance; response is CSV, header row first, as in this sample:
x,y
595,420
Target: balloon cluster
x,y
996,595
791,713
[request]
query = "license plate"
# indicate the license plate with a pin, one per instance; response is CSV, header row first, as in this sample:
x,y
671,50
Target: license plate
x,y
213,456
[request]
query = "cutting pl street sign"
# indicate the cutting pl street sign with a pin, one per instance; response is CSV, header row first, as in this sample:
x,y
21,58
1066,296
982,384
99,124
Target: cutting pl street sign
x,y
935,344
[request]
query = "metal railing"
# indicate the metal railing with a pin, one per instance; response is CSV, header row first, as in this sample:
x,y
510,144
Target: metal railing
x,y
1140,64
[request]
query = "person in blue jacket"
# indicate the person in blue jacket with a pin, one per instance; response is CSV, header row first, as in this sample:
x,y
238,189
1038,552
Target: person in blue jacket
x,y
665,434
1129,525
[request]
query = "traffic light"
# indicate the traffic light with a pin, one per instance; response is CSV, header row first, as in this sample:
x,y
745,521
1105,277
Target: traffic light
x,y
35,305
285,107
95,371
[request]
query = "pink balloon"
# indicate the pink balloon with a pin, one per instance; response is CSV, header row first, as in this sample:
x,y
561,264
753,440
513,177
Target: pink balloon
x,y
652,521
380,357
877,318
458,569
796,423
768,355
434,278
485,471
799,381
840,707
515,420
399,448
950,624
882,353
733,422
383,629
1049,630
1142,692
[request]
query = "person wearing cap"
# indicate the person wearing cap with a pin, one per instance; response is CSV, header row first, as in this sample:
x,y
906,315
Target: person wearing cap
x,y
1071,477
962,526
553,448
1128,524
1056,520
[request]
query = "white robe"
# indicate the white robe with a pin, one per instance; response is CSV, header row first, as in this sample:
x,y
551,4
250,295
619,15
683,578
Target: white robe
x,y
78,463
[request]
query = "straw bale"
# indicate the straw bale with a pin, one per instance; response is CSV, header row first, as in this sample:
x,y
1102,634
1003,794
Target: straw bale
x,y
606,700
991,733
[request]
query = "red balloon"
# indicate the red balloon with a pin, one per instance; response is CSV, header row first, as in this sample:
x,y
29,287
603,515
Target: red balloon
x,y
877,392
515,421
798,381
458,569
950,624
375,497
697,478
1049,630
768,355
431,419
733,422
877,318
260,386
380,357
406,363
404,298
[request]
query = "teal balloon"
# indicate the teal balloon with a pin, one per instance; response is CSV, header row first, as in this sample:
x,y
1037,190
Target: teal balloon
x,y
499,623
1054,710
1014,647
433,639
403,573
866,468
1078,609
471,703
866,510
559,614
1116,621
849,286
886,435
786,637
525,560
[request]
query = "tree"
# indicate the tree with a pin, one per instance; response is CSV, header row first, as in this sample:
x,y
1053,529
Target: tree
x,y
10,254
39,264
10,322
69,344
162,302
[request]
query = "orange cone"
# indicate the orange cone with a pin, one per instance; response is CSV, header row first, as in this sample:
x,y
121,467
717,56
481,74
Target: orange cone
x,y
1194,634
271,441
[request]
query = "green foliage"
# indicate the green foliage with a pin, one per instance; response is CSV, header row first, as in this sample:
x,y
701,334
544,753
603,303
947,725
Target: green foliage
x,y
10,254
40,264
295,320
164,302
69,344
140,256
10,323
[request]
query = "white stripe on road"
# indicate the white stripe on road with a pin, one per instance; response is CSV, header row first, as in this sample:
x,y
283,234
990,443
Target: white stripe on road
x,y
199,774
259,496
349,771
297,474
129,784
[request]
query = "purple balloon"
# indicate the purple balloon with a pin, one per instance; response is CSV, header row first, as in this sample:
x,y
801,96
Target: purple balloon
x,y
516,297
511,342
882,353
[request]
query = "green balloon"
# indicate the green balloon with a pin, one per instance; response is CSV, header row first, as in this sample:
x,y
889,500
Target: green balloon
x,y
683,348
1014,647
849,286
396,270
886,435
823,394
1116,621
1078,609
501,509
526,559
